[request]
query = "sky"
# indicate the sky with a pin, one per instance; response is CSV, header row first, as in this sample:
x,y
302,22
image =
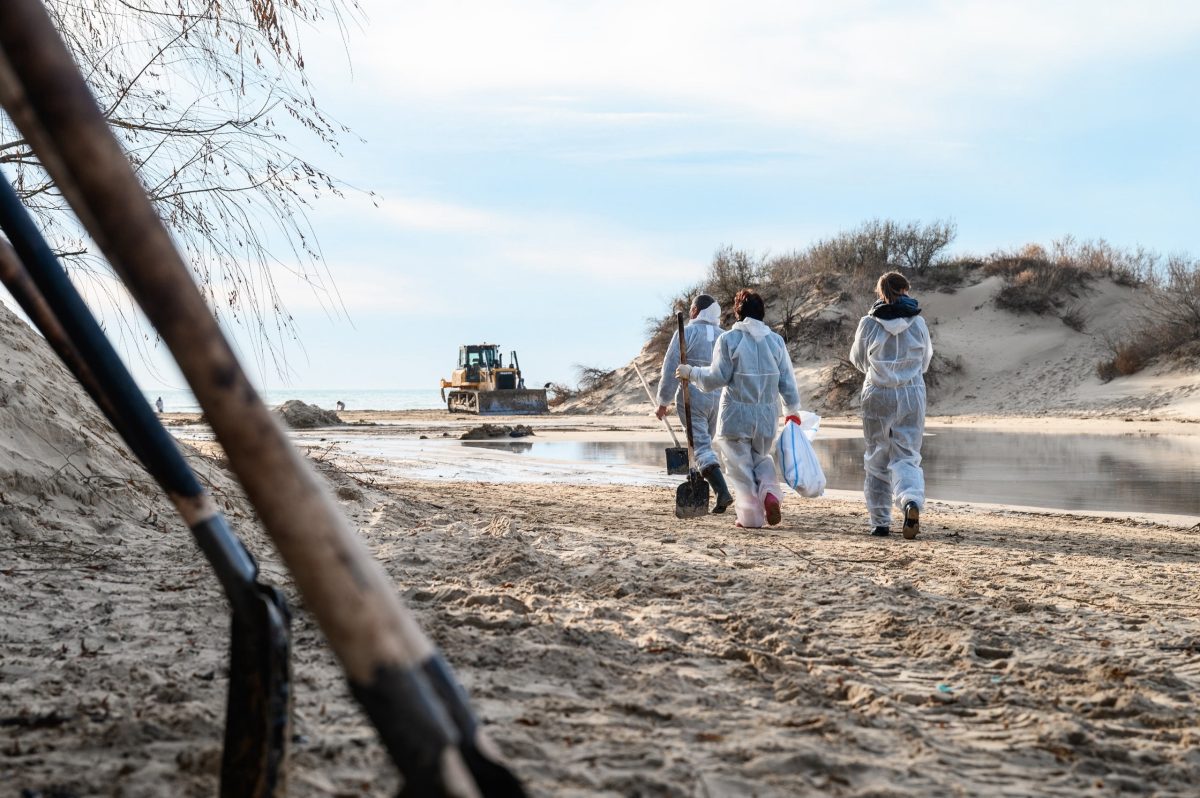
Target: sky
x,y
548,174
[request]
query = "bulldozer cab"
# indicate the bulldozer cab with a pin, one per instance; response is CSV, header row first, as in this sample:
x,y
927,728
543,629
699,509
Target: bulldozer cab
x,y
474,358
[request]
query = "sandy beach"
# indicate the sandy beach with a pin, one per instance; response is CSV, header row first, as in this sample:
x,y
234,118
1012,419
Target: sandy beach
x,y
612,649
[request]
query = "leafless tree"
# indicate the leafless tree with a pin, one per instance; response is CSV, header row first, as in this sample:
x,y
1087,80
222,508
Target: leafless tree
x,y
732,270
790,279
204,95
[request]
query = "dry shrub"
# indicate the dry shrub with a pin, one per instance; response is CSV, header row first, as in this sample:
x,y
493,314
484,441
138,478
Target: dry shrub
x,y
558,393
1033,285
1172,327
1129,356
592,378
1040,280
842,384
1074,318
941,368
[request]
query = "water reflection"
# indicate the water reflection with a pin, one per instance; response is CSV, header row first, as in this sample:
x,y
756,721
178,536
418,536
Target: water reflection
x,y
1135,473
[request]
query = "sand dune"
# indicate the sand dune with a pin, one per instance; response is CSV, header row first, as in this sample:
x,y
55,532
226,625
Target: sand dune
x,y
1008,363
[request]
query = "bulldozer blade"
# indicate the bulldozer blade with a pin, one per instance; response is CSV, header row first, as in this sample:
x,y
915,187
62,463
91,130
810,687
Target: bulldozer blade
x,y
677,460
513,402
691,498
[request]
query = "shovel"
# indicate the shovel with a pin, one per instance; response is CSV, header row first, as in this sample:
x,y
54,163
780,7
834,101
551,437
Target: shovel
x,y
677,456
691,498
259,695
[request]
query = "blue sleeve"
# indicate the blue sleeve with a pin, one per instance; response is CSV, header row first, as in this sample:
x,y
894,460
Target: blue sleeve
x,y
667,384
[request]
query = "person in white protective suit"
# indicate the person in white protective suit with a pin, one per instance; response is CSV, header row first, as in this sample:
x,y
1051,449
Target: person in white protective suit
x,y
752,365
892,348
701,332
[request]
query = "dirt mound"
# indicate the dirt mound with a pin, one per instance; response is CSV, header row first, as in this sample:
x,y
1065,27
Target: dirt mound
x,y
298,415
485,431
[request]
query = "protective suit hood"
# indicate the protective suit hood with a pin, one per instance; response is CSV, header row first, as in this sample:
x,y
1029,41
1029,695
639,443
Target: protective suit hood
x,y
754,328
710,315
896,326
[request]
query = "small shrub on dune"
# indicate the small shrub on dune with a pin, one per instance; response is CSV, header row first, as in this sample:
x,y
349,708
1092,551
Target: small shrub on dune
x,y
1035,282
592,378
1073,317
942,368
841,384
1176,341
559,393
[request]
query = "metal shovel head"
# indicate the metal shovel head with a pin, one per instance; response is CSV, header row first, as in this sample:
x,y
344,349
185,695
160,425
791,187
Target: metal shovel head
x,y
691,498
677,460
258,707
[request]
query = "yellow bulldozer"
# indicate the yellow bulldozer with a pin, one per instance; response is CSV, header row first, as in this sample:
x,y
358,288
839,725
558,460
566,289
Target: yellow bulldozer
x,y
483,384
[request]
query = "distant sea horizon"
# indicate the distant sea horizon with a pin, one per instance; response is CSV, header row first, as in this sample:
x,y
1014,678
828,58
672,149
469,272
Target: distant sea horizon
x,y
182,400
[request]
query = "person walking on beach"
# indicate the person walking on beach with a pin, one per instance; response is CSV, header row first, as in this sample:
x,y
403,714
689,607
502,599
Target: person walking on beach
x,y
158,405
892,348
752,365
702,332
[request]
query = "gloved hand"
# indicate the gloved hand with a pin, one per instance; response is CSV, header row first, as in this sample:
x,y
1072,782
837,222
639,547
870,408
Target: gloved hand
x,y
683,371
793,418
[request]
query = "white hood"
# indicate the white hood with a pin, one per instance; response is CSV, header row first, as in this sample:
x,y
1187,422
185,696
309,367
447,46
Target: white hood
x,y
896,326
754,328
710,315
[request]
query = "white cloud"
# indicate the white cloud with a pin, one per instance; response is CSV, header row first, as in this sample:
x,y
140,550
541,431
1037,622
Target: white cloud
x,y
428,253
435,216
863,69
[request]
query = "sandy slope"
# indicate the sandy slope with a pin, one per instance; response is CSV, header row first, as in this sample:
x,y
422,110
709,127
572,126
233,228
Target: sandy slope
x,y
1009,364
611,649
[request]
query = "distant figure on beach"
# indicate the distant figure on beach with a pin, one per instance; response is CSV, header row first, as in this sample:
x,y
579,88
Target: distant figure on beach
x,y
702,332
752,364
341,405
893,349
158,404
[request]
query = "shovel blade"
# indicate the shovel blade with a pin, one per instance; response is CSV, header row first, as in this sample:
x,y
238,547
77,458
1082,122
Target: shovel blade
x,y
258,716
677,460
691,498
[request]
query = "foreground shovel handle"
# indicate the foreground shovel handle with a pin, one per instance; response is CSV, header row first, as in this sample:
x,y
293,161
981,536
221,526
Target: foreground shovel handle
x,y
258,701
393,669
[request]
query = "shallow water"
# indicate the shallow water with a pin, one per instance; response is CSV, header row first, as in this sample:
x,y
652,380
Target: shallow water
x,y
1130,473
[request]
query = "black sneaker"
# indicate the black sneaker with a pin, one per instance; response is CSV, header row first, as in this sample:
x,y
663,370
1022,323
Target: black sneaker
x,y
912,520
881,531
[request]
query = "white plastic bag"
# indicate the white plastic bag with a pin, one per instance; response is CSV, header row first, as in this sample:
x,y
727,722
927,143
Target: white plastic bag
x,y
797,460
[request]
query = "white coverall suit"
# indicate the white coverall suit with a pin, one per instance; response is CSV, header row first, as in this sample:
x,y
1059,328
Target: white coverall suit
x,y
752,364
701,333
894,354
